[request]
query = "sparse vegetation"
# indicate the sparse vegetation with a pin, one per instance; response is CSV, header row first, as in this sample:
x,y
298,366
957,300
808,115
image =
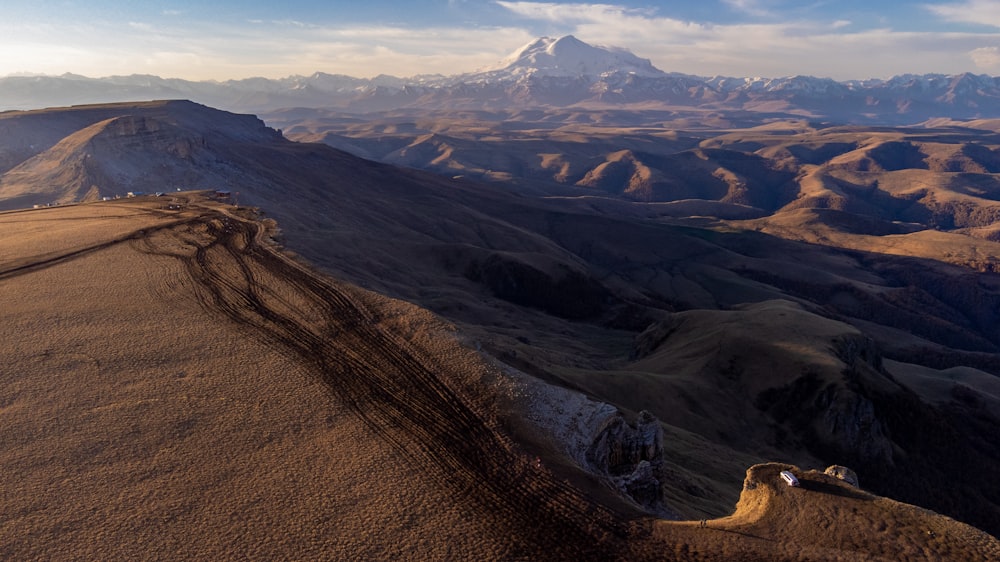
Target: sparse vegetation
x,y
178,383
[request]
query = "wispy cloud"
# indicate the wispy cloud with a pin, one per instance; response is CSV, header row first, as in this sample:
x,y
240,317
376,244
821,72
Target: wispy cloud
x,y
292,23
619,20
752,7
258,48
554,12
982,12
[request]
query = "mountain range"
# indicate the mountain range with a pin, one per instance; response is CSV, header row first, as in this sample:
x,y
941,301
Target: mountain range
x,y
548,72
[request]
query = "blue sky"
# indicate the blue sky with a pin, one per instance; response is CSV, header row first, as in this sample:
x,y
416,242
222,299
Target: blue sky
x,y
208,39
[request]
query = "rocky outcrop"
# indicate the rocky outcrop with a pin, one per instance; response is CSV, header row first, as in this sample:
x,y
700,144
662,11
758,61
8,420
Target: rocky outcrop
x,y
843,473
620,446
120,135
857,350
630,455
838,417
849,422
651,338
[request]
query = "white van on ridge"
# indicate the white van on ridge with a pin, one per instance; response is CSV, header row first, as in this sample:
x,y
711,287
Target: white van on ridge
x,y
789,479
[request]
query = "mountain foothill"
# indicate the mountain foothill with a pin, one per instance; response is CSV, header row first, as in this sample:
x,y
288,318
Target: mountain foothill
x,y
570,327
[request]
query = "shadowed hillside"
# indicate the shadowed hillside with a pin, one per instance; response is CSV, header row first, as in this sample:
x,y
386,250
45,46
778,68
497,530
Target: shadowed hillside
x,y
844,186
649,355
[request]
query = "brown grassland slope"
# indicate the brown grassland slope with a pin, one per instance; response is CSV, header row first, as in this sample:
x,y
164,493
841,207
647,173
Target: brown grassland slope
x,y
174,387
566,366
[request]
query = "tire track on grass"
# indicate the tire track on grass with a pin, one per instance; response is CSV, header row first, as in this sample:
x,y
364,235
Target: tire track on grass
x,y
37,263
396,392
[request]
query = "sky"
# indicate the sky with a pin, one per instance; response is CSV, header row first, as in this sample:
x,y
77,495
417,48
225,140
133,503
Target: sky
x,y
232,39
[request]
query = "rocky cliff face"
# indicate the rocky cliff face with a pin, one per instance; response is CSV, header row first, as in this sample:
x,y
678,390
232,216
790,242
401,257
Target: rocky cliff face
x,y
838,417
849,422
630,455
137,132
843,473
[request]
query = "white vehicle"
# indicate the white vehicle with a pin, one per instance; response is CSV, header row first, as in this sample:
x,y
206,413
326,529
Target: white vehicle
x,y
789,479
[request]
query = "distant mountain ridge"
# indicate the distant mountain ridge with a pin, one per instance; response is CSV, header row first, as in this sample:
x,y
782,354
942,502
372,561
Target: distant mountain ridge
x,y
547,72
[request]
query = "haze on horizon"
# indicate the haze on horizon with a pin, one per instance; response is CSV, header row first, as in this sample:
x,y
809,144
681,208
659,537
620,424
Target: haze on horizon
x,y
851,39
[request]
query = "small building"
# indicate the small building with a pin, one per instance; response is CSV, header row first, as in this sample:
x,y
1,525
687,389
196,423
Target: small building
x,y
223,194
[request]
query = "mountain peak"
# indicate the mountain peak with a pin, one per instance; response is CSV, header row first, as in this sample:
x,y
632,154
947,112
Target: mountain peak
x,y
569,56
565,46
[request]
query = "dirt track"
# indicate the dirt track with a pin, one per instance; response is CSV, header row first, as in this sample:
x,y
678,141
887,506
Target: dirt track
x,y
403,395
395,390
100,438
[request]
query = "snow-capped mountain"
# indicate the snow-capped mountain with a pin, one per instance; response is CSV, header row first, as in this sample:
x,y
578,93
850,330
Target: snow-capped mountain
x,y
565,57
549,72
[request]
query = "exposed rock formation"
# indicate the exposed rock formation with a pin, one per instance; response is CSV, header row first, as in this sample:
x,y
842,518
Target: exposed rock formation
x,y
844,473
849,421
651,338
858,350
620,445
631,456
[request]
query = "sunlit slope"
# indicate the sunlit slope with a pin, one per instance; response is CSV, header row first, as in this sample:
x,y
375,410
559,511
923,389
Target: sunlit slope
x,y
559,286
823,519
91,152
174,383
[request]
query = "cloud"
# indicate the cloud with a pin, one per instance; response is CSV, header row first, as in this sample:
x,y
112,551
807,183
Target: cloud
x,y
565,13
619,20
205,50
980,12
291,23
751,7
986,58
368,50
983,12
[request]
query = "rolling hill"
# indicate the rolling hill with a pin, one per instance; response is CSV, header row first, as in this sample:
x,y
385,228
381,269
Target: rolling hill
x,y
638,356
933,186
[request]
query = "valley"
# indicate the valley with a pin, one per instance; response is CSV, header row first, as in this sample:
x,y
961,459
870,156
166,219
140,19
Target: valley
x,y
154,348
576,329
